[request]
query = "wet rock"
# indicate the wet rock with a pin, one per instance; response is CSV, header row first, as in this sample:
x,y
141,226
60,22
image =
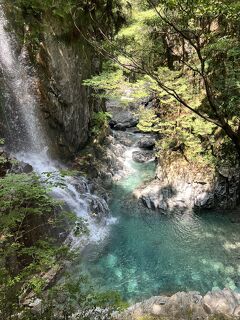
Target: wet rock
x,y
21,167
133,130
235,219
97,207
163,198
205,200
107,179
142,156
123,138
80,183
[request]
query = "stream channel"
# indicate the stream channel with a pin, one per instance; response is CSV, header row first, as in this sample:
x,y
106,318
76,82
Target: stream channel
x,y
148,254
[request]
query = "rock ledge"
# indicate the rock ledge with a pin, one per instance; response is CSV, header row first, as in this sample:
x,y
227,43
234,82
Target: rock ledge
x,y
215,305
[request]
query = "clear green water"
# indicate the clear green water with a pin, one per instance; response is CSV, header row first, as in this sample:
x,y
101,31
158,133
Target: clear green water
x,y
149,254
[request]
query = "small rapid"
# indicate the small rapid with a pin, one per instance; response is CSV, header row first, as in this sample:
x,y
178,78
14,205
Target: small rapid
x,y
29,143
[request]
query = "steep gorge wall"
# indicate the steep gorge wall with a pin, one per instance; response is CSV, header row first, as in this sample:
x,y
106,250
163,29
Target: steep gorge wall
x,y
60,64
67,104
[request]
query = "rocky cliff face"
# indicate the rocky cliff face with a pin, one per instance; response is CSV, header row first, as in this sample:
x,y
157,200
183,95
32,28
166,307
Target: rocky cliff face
x,y
180,186
67,104
60,65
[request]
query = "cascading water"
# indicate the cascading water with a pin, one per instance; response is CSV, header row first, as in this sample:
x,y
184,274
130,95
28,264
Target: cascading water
x,y
22,105
29,143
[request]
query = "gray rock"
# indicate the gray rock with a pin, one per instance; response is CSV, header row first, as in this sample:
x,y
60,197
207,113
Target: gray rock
x,y
181,187
21,167
123,120
36,306
142,156
80,183
97,207
67,103
147,143
186,305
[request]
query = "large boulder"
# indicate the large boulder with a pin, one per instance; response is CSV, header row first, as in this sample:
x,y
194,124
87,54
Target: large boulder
x,y
180,185
123,120
147,143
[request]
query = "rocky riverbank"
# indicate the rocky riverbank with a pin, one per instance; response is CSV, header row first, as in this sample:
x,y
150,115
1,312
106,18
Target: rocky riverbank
x,y
215,305
179,184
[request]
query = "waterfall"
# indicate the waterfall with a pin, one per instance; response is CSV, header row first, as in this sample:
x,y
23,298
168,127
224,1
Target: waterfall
x,y
26,131
30,144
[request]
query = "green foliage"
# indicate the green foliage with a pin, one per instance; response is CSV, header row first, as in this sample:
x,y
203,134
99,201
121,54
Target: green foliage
x,y
75,295
99,122
21,194
28,219
108,84
185,53
115,84
71,19
190,135
148,120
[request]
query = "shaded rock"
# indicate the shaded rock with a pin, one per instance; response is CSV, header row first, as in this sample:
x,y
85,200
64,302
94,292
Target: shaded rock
x,y
133,130
166,199
66,103
97,207
21,167
147,143
142,156
123,120
80,183
123,138
107,179
5,164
